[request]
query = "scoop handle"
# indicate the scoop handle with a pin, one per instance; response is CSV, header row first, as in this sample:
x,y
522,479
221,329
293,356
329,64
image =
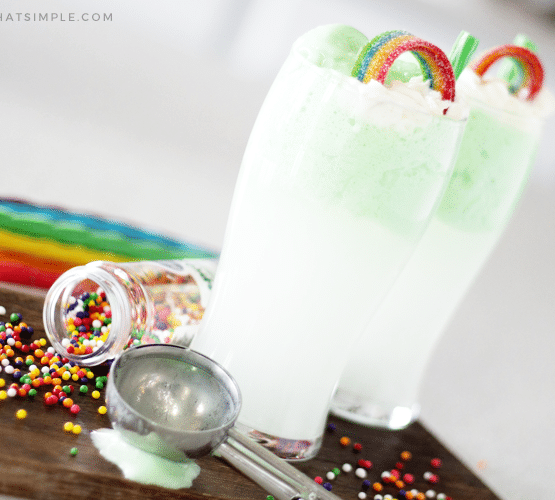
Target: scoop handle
x,y
274,474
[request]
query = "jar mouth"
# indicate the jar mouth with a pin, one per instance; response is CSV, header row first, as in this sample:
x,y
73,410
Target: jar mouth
x,y
65,302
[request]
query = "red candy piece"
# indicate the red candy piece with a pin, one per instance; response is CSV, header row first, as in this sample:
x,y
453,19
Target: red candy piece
x,y
75,409
318,480
435,463
357,447
366,464
51,400
434,479
408,478
531,65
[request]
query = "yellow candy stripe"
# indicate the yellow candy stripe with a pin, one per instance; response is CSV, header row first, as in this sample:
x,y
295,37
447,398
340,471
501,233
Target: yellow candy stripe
x,y
53,250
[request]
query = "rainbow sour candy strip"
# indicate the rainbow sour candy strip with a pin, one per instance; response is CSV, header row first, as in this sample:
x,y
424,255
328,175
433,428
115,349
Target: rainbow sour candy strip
x,y
370,50
510,70
377,57
530,67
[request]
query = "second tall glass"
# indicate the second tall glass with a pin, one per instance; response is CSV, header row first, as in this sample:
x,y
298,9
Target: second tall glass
x,y
380,384
337,185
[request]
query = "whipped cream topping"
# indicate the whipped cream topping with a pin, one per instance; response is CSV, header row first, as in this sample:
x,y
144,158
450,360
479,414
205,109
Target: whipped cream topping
x,y
415,94
495,92
418,91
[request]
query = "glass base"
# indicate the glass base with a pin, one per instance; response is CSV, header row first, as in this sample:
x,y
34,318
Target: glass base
x,y
289,449
371,414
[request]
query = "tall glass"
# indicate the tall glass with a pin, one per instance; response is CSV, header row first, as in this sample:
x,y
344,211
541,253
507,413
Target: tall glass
x,y
335,189
379,386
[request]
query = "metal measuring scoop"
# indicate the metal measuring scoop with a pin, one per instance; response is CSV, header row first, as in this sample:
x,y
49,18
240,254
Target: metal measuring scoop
x,y
177,403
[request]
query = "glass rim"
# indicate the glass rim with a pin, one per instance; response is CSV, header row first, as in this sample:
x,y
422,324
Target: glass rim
x,y
54,317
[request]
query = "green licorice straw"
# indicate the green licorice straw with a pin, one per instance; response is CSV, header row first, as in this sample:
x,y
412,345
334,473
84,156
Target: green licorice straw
x,y
510,71
463,49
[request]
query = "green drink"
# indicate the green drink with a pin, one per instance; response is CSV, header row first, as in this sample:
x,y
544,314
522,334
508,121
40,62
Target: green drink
x,y
380,384
338,182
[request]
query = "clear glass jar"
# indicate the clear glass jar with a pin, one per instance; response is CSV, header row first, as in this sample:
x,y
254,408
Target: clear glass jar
x,y
93,312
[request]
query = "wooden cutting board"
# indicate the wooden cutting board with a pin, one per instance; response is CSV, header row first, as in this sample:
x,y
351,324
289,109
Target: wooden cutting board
x,y
36,462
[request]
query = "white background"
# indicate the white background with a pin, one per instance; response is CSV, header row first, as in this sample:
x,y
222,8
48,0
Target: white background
x,y
145,118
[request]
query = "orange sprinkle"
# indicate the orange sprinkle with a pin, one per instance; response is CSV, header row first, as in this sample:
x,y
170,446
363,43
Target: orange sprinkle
x,y
344,441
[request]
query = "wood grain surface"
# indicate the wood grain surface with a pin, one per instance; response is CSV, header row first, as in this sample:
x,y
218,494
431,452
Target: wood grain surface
x,y
36,463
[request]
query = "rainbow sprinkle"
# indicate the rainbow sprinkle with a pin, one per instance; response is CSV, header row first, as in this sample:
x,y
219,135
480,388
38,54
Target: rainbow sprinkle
x,y
377,57
530,69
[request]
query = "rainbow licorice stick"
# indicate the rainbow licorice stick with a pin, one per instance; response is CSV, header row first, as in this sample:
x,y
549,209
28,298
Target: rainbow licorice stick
x,y
377,57
530,67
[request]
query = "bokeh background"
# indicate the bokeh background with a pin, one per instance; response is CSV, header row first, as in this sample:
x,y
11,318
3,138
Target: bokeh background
x,y
145,118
